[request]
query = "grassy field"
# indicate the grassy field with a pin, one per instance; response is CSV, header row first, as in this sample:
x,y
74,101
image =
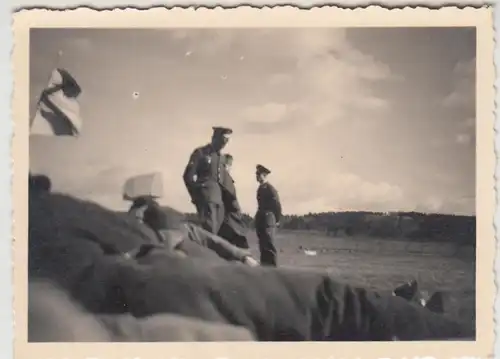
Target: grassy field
x,y
384,264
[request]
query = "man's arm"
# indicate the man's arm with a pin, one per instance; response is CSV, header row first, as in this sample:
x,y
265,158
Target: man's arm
x,y
229,193
190,173
225,249
235,203
277,203
236,206
217,244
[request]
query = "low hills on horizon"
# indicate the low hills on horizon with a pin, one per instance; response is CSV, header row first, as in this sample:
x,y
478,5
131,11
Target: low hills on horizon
x,y
415,226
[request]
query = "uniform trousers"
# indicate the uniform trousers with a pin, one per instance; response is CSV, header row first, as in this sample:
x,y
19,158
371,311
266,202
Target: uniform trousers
x,y
265,227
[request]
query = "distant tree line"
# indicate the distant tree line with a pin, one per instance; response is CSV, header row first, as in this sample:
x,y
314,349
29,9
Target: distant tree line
x,y
413,226
395,225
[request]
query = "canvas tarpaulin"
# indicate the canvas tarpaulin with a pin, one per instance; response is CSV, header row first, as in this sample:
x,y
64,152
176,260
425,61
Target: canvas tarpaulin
x,y
145,185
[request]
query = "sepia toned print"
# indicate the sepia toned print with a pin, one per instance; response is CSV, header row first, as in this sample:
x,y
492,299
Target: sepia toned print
x,y
255,176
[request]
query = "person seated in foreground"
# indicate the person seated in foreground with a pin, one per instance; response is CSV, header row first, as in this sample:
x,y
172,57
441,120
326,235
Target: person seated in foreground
x,y
80,246
39,184
139,205
411,292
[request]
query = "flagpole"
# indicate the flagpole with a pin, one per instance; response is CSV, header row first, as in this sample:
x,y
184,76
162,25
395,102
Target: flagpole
x,y
57,63
58,58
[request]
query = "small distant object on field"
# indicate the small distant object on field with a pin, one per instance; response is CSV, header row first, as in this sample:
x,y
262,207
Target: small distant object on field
x,y
309,252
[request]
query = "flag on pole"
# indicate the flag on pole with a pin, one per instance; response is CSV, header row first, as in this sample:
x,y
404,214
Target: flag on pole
x,y
145,185
58,111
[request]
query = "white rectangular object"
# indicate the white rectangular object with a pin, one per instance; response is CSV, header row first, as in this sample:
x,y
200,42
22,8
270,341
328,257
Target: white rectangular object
x,y
150,184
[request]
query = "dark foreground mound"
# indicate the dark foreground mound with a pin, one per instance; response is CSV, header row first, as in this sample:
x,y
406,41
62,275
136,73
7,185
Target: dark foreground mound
x,y
81,247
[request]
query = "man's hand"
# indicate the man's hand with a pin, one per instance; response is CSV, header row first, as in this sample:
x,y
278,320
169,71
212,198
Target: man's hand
x,y
196,199
250,261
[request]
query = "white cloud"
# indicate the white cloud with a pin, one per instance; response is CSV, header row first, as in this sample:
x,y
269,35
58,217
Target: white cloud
x,y
464,138
334,191
463,94
278,79
428,205
463,98
329,78
459,206
82,44
373,103
469,123
178,34
271,112
352,188
461,132
466,131
204,42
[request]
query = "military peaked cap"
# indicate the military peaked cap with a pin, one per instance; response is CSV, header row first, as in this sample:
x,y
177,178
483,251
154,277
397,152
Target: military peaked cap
x,y
262,169
222,130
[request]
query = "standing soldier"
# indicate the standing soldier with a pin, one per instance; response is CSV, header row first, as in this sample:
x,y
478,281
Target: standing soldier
x,y
202,178
268,216
234,228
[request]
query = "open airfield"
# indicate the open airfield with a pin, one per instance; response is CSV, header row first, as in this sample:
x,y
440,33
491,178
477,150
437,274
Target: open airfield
x,y
383,264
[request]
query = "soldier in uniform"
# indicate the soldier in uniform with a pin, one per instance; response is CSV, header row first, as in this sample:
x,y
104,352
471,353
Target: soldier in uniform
x,y
202,178
267,218
233,228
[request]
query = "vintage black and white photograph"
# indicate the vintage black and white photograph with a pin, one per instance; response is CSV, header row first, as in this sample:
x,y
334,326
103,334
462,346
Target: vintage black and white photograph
x,y
276,184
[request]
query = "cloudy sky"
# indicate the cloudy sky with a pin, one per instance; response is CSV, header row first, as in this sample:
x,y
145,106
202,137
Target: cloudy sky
x,y
347,119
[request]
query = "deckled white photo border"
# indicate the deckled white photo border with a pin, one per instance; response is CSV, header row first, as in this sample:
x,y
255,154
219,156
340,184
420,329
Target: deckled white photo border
x,y
372,16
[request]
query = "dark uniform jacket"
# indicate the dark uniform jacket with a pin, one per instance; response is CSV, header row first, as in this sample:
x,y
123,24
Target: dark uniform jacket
x,y
234,224
229,193
268,200
202,175
79,245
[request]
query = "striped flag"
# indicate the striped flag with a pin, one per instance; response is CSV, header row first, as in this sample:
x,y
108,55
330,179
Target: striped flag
x,y
58,112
